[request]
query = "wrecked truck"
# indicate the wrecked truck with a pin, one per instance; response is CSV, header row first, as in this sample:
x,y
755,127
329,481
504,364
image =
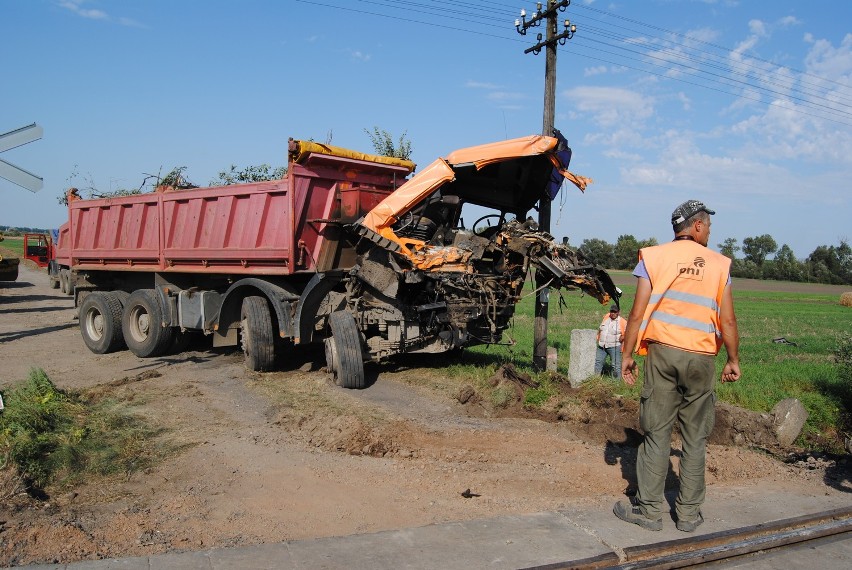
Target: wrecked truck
x,y
348,250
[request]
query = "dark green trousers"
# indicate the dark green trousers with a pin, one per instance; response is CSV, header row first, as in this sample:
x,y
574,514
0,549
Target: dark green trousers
x,y
679,385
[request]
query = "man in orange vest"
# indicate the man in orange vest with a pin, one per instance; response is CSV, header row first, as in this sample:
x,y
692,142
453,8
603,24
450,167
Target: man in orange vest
x,y
682,314
610,336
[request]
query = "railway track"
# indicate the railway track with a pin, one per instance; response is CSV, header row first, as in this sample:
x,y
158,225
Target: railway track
x,y
721,546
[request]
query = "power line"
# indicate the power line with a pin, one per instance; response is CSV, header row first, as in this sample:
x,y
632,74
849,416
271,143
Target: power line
x,y
643,24
438,8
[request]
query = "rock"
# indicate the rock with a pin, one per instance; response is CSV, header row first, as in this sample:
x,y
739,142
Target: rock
x,y
790,416
581,363
466,394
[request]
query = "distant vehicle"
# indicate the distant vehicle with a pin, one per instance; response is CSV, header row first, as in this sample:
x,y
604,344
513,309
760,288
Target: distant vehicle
x,y
346,250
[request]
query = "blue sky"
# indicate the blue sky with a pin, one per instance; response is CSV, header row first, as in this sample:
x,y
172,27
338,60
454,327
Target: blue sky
x,y
745,105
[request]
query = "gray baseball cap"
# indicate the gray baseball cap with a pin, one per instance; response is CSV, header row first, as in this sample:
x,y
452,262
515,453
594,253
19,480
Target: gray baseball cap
x,y
689,209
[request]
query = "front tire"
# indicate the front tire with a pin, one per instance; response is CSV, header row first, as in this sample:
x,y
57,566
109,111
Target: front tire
x,y
141,323
343,351
100,322
257,333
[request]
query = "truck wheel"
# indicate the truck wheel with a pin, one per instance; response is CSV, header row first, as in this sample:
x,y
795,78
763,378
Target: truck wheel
x,y
100,322
63,282
122,297
54,282
257,334
141,323
67,286
343,351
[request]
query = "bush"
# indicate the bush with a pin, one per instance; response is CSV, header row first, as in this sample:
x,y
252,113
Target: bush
x,y
37,420
843,358
48,435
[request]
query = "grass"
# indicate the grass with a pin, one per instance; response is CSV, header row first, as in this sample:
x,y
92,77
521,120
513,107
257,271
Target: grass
x,y
771,371
12,246
54,437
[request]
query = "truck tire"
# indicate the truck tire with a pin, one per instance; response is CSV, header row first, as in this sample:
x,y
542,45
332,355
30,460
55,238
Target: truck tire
x,y
256,331
65,280
343,353
141,323
100,322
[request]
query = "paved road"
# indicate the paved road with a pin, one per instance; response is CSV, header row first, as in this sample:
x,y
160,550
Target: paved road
x,y
523,541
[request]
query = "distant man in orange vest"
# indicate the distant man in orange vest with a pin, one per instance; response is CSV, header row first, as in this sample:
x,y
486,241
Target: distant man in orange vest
x,y
682,314
610,337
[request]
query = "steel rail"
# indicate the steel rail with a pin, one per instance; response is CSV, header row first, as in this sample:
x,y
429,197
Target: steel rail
x,y
718,546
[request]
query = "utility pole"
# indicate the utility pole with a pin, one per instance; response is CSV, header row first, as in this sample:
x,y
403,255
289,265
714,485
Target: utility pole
x,y
550,42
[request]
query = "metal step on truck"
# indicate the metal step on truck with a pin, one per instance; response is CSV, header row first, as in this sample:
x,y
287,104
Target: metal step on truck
x,y
348,249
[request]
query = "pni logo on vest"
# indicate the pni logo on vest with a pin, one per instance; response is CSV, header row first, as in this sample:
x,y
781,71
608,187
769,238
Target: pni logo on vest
x,y
694,270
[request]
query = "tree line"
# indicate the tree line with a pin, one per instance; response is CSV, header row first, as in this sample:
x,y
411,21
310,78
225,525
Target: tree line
x,y
761,258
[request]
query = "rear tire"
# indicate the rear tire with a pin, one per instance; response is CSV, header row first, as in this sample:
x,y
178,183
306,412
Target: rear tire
x,y
343,351
100,322
258,340
141,323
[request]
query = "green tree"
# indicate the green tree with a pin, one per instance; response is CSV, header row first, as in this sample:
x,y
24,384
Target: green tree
x,y
755,249
785,266
729,247
626,252
384,145
831,264
598,252
745,268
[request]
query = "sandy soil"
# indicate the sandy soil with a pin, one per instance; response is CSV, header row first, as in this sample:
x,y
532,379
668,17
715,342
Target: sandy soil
x,y
288,455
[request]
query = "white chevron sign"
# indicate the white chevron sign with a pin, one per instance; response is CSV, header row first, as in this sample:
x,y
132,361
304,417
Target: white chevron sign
x,y
16,174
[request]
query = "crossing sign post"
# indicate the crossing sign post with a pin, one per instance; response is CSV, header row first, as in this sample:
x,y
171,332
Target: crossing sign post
x,y
16,174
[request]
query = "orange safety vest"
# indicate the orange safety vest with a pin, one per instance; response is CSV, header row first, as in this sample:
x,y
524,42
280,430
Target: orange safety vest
x,y
687,282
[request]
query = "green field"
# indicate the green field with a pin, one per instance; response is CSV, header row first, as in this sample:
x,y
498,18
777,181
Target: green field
x,y
809,315
13,246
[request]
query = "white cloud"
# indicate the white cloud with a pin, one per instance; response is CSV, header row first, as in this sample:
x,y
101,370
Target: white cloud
x,y
505,96
359,55
610,106
825,60
622,155
597,70
690,171
76,6
481,85
758,28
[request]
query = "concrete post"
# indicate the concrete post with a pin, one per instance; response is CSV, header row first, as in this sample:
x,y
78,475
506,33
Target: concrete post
x,y
582,360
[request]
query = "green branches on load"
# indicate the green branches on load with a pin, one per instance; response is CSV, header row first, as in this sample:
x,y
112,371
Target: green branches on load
x,y
174,179
384,145
260,173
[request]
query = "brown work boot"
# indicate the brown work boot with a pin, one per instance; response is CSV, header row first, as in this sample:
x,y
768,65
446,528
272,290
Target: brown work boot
x,y
689,526
633,514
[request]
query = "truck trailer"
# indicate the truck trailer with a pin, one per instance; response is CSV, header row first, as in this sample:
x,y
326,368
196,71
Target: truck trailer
x,y
348,249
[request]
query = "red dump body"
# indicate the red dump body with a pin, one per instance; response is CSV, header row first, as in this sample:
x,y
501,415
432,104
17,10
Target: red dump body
x,y
279,227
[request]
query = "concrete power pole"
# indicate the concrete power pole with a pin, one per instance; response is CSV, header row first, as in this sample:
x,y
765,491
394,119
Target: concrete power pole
x,y
553,37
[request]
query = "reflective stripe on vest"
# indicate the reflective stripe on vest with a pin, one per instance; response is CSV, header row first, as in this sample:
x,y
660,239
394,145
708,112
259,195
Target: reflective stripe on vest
x,y
687,282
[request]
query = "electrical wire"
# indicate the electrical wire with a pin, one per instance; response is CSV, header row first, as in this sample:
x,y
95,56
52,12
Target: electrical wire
x,y
667,57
